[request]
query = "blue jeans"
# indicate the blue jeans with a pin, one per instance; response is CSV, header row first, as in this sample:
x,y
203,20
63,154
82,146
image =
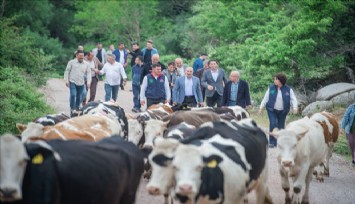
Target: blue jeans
x,y
136,89
85,91
75,95
277,120
232,103
111,92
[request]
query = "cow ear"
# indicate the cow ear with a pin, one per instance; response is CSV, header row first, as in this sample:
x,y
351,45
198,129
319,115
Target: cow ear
x,y
39,150
21,127
212,161
301,134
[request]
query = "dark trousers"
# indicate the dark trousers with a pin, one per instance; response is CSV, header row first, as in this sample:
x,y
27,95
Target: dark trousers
x,y
215,99
190,101
203,93
136,102
93,87
151,101
277,119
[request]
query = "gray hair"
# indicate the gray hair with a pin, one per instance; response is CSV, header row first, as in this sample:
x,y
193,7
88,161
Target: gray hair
x,y
111,55
235,72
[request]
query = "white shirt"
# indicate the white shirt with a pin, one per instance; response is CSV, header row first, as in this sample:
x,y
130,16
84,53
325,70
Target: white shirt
x,y
145,84
121,57
188,87
113,73
279,105
214,75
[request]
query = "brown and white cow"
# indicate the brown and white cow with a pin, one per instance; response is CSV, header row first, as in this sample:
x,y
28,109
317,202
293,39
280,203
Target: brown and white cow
x,y
301,147
162,107
86,127
331,132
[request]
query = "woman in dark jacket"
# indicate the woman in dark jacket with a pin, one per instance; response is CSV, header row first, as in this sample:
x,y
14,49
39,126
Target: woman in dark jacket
x,y
278,100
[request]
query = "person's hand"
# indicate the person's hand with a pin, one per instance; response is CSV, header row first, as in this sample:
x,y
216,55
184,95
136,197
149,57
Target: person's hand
x,y
295,111
209,87
174,103
167,101
67,84
127,50
124,82
260,111
201,104
88,85
97,71
142,102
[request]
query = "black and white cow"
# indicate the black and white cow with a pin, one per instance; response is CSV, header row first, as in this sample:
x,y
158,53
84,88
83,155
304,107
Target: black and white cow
x,y
201,165
137,125
69,172
110,109
48,120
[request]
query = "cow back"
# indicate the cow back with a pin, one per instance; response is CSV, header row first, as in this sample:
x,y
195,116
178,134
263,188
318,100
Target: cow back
x,y
334,123
195,118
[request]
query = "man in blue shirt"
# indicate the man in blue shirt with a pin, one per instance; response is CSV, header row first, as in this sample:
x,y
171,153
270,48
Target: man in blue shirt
x,y
136,87
198,64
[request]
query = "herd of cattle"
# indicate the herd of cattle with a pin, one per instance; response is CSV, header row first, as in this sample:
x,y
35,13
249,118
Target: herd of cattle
x,y
189,155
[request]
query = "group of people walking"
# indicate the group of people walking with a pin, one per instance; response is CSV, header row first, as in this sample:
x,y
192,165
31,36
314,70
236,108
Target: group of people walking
x,y
203,83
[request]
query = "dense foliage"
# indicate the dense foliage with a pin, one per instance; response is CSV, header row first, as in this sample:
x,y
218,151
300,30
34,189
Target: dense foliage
x,y
19,100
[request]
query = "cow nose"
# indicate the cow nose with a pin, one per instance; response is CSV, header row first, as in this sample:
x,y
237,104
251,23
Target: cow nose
x,y
153,190
8,192
185,189
287,163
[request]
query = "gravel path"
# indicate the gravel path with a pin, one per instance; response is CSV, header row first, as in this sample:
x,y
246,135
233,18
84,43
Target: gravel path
x,y
339,188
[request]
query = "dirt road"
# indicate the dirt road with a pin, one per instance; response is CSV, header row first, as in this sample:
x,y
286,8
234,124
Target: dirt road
x,y
339,188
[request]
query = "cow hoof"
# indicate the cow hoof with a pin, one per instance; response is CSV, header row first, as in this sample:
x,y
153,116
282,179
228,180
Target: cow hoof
x,y
315,172
288,201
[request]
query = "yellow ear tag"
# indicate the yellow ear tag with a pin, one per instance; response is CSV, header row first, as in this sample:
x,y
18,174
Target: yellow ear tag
x,y
38,159
212,164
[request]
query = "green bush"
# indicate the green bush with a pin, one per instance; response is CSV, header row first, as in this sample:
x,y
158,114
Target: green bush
x,y
20,102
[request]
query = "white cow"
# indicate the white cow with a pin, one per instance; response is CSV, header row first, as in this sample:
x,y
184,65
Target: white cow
x,y
301,147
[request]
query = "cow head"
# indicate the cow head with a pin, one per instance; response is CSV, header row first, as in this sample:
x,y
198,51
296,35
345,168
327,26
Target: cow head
x,y
160,158
30,130
188,164
287,144
135,131
13,160
153,129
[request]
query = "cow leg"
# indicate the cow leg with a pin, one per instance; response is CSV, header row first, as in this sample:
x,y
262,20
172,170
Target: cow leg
x,y
319,171
299,182
285,185
329,154
305,199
